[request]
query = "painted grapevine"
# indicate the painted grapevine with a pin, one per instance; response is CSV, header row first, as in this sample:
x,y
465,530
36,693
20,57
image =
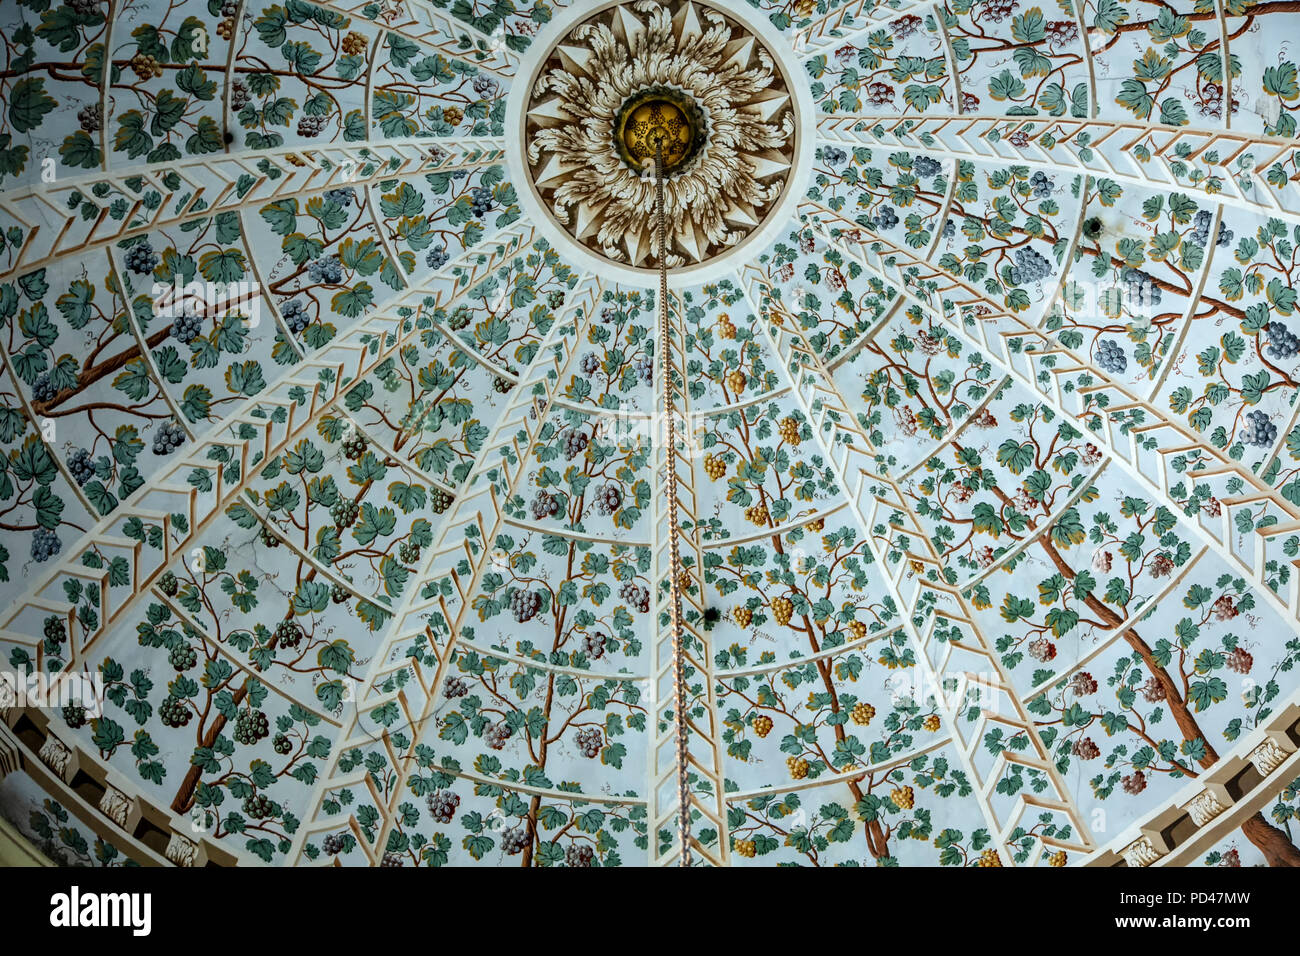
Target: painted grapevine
x,y
361,537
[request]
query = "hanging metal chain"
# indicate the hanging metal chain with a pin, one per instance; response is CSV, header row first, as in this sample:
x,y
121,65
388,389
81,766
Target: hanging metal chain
x,y
674,554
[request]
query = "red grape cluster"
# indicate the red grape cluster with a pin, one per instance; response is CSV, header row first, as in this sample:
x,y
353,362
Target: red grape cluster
x,y
590,741
497,734
593,645
635,595
443,804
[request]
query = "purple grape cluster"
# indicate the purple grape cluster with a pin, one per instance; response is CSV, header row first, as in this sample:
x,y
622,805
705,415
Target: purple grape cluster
x,y
924,167
1111,357
524,605
999,10
1282,344
481,200
1031,266
43,389
186,328
497,734
834,156
168,438
880,93
327,269
904,27
333,844
1060,32
295,315
141,259
454,687
1201,235
1140,289
343,196
1259,431
81,466
1134,783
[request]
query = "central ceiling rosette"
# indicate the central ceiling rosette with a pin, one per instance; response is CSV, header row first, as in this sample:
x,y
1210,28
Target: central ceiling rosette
x,y
709,82
335,442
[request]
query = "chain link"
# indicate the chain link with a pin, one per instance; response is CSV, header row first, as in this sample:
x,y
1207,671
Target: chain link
x,y
674,554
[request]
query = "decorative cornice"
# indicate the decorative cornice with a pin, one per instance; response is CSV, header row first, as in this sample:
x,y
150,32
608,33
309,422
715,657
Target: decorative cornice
x,y
116,805
1217,802
1141,852
55,755
1204,807
1268,756
181,850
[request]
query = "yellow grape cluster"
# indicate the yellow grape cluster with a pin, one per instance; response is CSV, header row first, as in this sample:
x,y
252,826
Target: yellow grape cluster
x,y
782,610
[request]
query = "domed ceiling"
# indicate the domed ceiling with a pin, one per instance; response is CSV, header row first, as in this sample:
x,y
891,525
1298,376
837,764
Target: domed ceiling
x,y
333,444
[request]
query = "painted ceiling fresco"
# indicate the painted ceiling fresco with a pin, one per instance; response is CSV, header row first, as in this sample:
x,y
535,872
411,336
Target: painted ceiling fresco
x,y
990,487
